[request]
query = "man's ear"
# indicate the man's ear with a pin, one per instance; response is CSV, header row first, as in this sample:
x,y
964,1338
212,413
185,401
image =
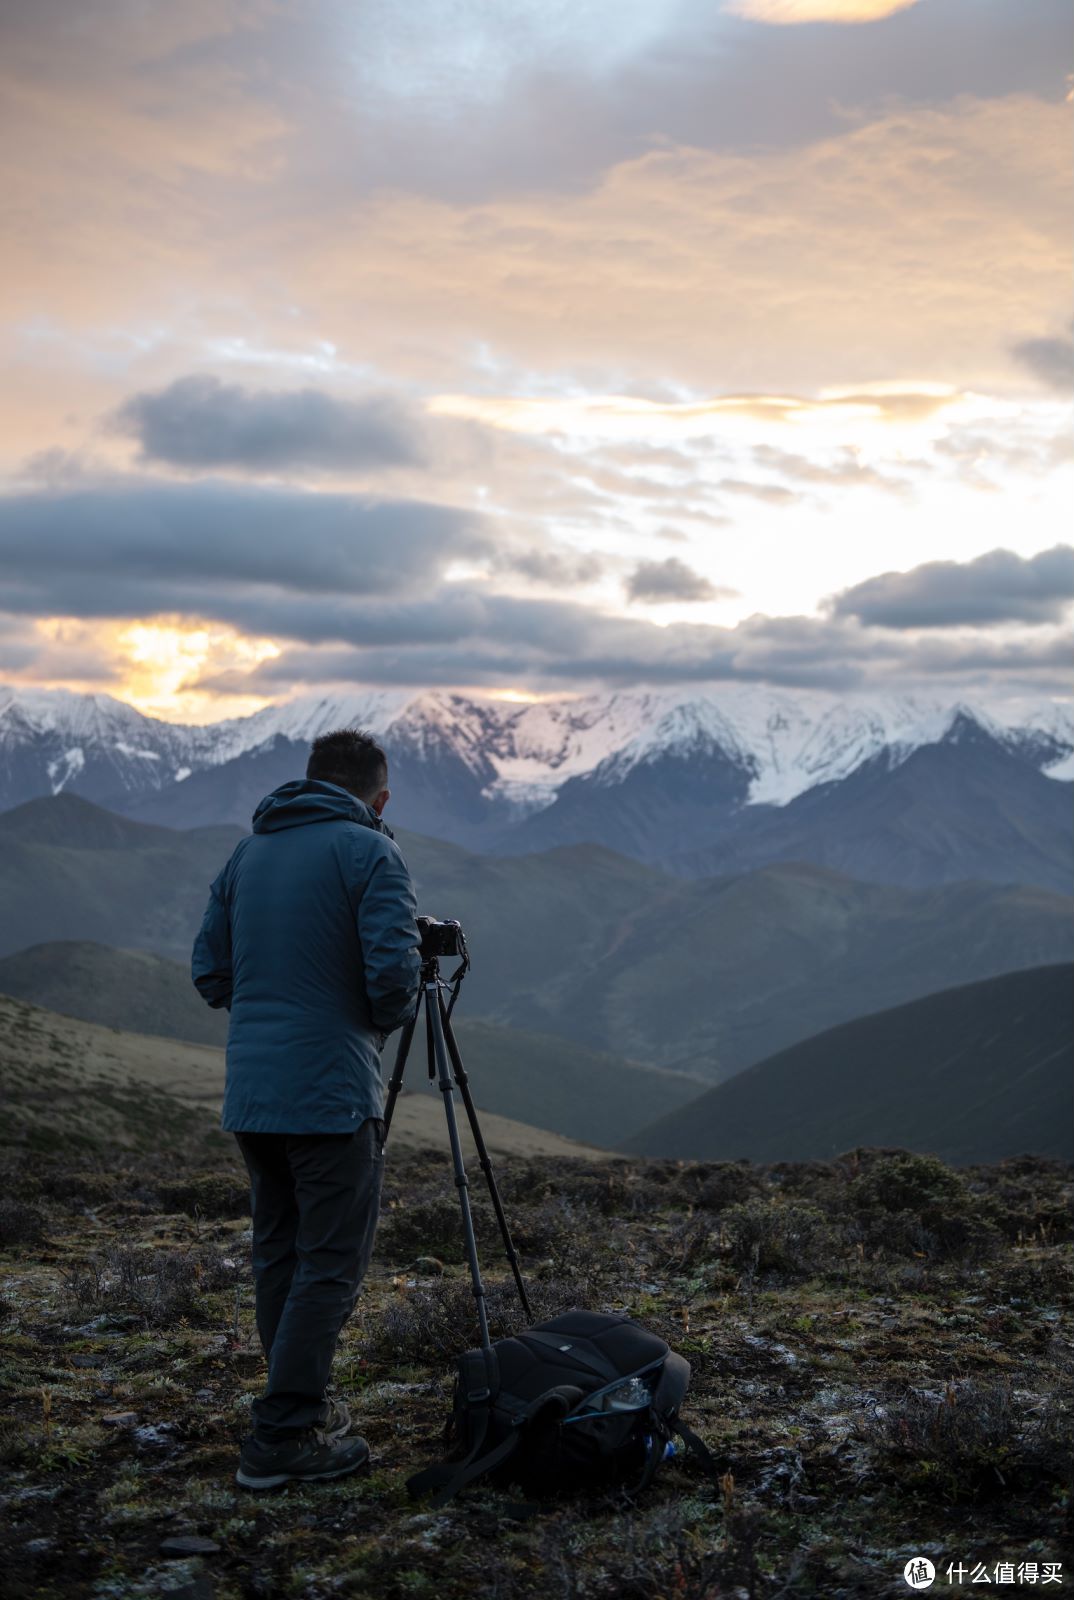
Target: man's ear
x,y
380,801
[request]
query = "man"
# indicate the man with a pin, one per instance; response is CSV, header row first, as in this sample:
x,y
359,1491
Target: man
x,y
310,940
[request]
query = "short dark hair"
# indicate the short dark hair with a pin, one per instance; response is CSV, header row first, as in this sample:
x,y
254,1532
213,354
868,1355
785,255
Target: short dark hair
x,y
350,758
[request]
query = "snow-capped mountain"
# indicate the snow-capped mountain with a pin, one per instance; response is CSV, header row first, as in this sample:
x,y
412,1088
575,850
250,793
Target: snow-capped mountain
x,y
92,744
619,768
523,753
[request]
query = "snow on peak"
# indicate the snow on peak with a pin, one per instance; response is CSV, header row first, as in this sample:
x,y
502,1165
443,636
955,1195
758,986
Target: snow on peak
x,y
66,767
783,741
64,711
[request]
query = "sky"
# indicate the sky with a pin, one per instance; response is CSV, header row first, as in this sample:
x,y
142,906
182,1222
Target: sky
x,y
535,348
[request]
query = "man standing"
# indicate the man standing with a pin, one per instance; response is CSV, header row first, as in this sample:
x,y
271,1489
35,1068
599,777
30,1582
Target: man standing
x,y
310,940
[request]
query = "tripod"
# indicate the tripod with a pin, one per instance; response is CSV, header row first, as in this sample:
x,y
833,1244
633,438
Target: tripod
x,y
445,1064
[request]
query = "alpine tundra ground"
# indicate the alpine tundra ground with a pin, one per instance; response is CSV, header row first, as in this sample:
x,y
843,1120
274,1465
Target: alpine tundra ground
x,y
881,1361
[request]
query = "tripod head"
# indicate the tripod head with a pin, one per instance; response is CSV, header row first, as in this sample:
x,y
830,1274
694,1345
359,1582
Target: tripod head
x,y
442,939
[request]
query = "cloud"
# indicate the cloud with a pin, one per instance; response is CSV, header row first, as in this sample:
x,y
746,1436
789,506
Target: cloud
x,y
124,549
786,12
845,470
201,422
783,207
785,271
482,640
774,494
474,101
321,588
1050,360
273,563
487,639
620,229
20,647
557,568
658,581
998,587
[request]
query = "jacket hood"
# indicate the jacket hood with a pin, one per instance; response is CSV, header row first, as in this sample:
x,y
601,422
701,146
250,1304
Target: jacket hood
x,y
304,800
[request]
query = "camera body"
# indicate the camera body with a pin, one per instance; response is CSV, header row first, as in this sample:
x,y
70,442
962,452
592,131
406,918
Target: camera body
x,y
440,938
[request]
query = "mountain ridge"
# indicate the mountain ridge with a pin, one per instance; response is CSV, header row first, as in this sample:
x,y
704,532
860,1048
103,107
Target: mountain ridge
x,y
698,782
705,977
785,742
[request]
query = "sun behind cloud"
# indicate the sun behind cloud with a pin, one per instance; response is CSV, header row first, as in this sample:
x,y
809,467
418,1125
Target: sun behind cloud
x,y
163,658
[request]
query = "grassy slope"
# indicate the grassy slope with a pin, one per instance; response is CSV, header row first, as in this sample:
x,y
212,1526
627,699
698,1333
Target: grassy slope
x,y
537,1079
76,1083
971,1074
129,989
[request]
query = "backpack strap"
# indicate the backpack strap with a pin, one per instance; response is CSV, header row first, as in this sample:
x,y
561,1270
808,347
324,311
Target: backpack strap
x,y
478,1387
469,1469
696,1446
449,1477
654,1456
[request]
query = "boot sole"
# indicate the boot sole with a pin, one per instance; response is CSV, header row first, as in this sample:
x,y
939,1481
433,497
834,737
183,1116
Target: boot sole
x,y
276,1480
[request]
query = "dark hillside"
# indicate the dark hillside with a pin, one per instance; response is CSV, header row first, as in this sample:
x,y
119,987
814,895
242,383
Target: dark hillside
x,y
70,870
971,1074
129,989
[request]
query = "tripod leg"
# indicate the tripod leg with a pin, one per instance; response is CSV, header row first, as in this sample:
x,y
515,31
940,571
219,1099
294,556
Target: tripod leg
x,y
405,1040
482,1154
438,1052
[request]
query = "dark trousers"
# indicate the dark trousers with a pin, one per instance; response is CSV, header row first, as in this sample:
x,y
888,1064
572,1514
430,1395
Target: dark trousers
x,y
316,1200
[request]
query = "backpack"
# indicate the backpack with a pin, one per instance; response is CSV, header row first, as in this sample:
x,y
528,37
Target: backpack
x,y
585,1399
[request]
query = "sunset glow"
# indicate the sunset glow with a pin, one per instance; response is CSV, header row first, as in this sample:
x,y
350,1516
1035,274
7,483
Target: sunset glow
x,y
799,11
162,663
532,349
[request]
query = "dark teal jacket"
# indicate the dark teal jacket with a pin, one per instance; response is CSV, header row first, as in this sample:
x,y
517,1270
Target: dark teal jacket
x,y
310,941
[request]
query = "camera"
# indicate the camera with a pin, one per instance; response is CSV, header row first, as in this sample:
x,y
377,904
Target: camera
x,y
440,938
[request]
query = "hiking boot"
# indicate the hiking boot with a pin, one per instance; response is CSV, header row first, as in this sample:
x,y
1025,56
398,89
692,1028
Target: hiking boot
x,y
336,1422
311,1457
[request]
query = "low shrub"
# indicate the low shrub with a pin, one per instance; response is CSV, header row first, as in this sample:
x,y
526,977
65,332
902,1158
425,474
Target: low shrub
x,y
159,1286
429,1228
788,1237
206,1194
979,1436
432,1325
20,1224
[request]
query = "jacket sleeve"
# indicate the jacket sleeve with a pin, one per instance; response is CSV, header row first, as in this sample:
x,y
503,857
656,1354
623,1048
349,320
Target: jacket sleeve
x,y
210,964
388,934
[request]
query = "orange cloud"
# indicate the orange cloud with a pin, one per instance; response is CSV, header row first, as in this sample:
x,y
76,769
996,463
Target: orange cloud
x,y
909,247
626,416
793,11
